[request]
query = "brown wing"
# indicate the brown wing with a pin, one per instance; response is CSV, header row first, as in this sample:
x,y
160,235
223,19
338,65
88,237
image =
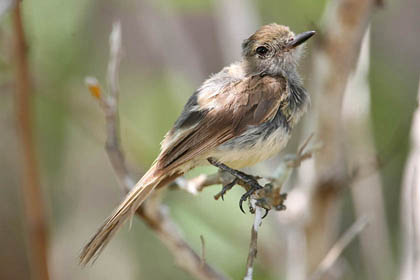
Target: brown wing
x,y
252,101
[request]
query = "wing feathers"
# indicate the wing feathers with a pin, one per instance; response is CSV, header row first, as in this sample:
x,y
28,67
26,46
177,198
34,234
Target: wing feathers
x,y
237,106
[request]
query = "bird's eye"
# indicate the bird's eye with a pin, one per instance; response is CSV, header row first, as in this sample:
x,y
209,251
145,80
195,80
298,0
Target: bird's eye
x,y
261,50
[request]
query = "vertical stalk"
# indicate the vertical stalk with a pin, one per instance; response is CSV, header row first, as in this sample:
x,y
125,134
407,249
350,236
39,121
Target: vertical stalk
x,y
31,190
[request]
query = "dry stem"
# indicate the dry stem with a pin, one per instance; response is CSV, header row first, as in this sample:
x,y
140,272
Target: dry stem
x,y
252,252
410,205
365,186
338,248
152,213
31,189
271,197
344,24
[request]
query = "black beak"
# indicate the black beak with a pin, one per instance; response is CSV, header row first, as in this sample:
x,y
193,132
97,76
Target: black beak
x,y
300,39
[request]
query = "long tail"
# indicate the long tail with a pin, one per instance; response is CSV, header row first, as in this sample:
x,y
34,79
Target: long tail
x,y
125,210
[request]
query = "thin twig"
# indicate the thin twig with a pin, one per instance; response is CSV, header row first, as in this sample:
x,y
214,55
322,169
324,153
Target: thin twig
x,y
253,248
152,213
156,216
203,250
335,252
274,198
197,184
31,189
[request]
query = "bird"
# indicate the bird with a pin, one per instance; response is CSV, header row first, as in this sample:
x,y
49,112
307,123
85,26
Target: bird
x,y
238,117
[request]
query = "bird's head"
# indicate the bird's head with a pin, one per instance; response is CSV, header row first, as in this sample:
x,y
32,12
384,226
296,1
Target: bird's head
x,y
273,49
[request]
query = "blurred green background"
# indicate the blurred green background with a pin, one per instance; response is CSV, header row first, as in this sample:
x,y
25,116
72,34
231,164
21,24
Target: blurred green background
x,y
169,48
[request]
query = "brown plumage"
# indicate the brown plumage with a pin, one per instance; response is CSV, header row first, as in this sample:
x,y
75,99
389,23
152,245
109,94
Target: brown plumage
x,y
239,116
250,101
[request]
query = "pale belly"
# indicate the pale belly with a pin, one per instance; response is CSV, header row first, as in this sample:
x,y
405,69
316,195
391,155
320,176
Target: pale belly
x,y
251,148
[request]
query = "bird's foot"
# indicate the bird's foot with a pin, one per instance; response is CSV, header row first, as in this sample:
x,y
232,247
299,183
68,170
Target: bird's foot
x,y
269,198
225,188
249,181
266,197
254,188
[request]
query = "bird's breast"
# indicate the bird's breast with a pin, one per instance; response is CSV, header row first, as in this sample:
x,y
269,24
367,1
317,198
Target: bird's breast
x,y
255,145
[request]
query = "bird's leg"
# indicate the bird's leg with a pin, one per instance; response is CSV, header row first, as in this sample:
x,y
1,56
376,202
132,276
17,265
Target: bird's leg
x,y
245,178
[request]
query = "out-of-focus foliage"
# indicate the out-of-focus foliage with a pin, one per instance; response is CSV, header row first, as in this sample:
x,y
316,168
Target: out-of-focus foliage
x,y
67,41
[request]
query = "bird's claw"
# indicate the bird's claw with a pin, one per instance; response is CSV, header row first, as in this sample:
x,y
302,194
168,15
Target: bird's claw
x,y
266,213
240,204
251,184
226,188
255,187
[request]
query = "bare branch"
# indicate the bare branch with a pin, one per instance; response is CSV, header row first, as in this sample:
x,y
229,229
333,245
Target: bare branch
x,y
338,248
197,184
156,216
345,22
272,198
271,195
334,58
114,62
410,205
36,224
203,250
365,186
152,213
252,253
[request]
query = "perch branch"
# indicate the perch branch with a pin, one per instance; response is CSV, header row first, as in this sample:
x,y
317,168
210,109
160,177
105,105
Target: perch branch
x,y
152,213
252,252
197,184
36,224
270,197
338,248
291,161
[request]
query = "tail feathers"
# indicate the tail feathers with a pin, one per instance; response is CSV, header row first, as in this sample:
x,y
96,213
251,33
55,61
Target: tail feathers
x,y
126,210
